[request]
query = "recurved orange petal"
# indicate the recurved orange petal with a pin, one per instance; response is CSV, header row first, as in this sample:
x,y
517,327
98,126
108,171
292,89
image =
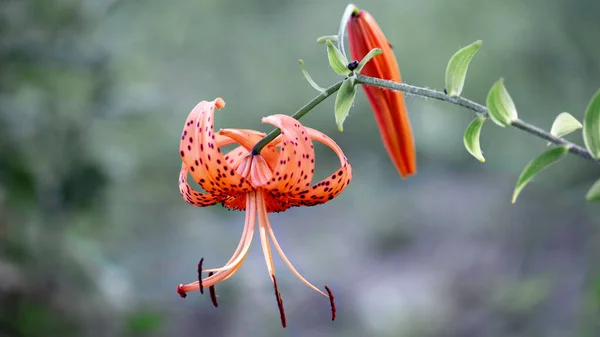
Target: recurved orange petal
x,y
192,196
295,166
330,187
247,139
200,151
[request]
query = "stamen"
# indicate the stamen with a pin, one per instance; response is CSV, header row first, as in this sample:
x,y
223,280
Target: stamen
x,y
288,263
200,275
279,303
180,291
213,293
331,303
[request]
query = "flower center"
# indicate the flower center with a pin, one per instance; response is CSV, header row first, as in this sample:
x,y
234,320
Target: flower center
x,y
255,170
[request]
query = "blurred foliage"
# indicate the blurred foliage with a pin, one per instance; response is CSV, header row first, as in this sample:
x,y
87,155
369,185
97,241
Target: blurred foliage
x,y
52,85
94,236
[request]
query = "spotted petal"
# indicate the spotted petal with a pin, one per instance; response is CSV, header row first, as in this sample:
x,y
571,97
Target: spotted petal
x,y
295,167
248,138
330,187
192,196
200,151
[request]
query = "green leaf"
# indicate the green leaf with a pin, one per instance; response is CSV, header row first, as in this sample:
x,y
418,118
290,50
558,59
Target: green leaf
x,y
500,106
344,100
309,78
541,162
337,60
323,39
564,124
471,138
594,193
456,71
374,52
591,126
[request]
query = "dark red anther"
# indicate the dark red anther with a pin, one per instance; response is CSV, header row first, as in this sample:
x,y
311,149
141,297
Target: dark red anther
x,y
180,291
331,303
200,275
213,293
279,303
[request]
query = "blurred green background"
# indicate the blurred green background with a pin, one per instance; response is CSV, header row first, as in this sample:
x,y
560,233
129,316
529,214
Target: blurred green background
x,y
94,236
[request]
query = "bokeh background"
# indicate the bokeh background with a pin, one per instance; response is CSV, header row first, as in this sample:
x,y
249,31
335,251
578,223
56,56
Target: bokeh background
x,y
94,236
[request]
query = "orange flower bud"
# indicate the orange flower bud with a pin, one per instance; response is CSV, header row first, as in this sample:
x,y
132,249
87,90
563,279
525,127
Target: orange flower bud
x,y
388,106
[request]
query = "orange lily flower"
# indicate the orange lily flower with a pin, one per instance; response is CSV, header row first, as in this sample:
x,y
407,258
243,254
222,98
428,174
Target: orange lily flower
x,y
273,181
390,111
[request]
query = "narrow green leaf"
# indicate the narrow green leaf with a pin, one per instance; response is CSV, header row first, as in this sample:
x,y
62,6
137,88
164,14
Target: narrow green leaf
x,y
344,100
500,106
309,78
594,193
471,138
591,126
337,60
564,124
323,39
374,52
456,71
541,162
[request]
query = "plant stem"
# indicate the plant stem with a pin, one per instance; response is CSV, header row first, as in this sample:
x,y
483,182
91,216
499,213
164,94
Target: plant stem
x,y
473,106
429,93
299,114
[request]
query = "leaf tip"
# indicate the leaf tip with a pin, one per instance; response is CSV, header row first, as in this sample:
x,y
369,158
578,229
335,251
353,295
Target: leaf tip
x,y
515,196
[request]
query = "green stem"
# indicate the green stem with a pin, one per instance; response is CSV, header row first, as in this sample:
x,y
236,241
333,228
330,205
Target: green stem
x,y
429,93
473,106
299,114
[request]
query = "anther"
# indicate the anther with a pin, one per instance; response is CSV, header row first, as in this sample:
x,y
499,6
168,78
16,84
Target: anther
x,y
200,275
279,303
213,293
331,303
180,291
219,103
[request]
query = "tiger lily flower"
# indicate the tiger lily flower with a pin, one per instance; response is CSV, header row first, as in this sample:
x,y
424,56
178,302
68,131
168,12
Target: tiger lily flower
x,y
274,180
388,106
